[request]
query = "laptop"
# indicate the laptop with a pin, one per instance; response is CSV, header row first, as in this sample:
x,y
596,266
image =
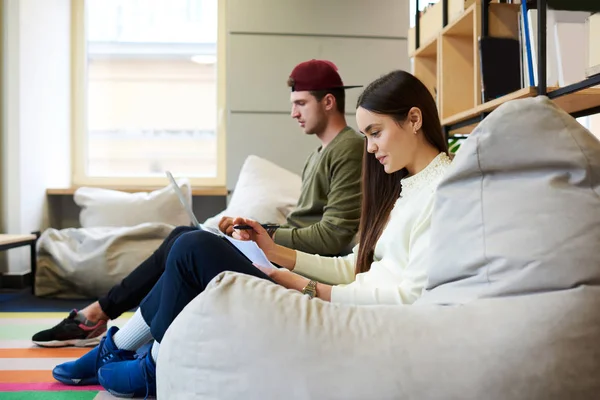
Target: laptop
x,y
248,248
188,208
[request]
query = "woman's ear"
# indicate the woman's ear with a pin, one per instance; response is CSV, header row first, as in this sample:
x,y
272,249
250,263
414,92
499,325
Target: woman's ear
x,y
415,118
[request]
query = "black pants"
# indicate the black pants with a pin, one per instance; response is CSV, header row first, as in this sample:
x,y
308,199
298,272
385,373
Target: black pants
x,y
194,260
135,286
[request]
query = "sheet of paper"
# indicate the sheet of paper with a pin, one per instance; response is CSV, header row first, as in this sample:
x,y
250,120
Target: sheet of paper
x,y
251,250
248,248
211,230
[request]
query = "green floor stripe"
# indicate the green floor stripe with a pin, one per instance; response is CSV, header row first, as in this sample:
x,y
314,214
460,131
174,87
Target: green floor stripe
x,y
75,395
20,331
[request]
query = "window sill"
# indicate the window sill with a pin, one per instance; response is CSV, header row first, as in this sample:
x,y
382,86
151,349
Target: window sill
x,y
196,191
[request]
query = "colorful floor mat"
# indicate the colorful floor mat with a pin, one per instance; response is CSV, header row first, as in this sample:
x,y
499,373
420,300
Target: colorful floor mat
x,y
26,370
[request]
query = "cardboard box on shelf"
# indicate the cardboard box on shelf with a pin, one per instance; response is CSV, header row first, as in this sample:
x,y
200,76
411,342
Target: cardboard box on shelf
x,y
432,20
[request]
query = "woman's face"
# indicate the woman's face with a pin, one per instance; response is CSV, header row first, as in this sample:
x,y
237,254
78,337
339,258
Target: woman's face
x,y
393,145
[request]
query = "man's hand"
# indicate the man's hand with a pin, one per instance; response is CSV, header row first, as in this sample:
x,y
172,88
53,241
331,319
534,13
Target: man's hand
x,y
226,225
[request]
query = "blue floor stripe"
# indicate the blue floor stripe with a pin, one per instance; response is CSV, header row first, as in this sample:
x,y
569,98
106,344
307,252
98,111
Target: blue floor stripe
x,y
25,301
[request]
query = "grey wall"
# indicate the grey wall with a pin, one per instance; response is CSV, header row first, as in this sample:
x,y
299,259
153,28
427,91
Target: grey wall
x,y
267,38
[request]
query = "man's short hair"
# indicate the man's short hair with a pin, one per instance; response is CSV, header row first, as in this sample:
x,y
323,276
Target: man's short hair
x,y
338,93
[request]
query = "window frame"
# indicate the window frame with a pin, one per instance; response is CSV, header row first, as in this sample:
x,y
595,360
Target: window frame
x,y
79,132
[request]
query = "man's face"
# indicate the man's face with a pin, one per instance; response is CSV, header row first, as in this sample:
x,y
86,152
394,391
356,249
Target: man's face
x,y
309,112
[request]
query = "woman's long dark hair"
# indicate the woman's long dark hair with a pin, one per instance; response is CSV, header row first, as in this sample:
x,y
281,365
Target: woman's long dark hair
x,y
393,95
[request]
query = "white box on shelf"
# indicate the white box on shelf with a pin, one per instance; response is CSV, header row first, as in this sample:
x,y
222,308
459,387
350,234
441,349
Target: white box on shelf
x,y
593,50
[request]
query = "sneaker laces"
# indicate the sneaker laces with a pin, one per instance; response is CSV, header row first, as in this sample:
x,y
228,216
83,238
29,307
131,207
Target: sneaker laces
x,y
147,388
103,354
145,373
70,319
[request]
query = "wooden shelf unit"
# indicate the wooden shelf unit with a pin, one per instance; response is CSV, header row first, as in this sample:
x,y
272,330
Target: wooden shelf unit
x,y
426,65
571,103
486,107
448,64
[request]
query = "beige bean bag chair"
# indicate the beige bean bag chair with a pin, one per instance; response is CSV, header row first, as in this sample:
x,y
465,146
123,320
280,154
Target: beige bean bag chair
x,y
511,310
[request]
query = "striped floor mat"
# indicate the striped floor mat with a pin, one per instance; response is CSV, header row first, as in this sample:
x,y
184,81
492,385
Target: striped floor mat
x,y
25,369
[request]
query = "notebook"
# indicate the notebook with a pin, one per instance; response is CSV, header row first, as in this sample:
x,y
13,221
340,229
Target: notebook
x,y
500,62
247,247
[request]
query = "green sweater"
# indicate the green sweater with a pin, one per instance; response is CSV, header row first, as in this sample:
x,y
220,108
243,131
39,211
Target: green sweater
x,y
326,218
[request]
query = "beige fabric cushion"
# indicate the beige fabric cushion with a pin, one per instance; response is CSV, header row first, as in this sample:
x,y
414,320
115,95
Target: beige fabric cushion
x,y
246,338
519,210
112,208
264,192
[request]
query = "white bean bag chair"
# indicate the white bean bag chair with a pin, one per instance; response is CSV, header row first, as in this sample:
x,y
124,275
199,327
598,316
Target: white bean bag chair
x,y
510,310
86,262
118,231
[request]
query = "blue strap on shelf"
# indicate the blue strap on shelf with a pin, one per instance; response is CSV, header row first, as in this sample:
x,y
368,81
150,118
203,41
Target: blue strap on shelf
x,y
527,43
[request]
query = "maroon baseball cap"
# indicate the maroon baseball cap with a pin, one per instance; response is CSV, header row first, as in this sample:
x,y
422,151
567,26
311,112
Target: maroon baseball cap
x,y
316,75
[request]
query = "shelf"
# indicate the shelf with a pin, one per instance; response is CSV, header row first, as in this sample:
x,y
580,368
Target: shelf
x,y
449,65
573,102
425,66
462,26
6,239
502,21
429,49
590,82
579,101
489,106
196,191
459,78
457,61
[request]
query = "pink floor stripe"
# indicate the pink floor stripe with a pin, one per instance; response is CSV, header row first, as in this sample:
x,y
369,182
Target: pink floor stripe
x,y
44,386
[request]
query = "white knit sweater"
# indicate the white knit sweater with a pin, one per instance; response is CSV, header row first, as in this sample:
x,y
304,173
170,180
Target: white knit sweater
x,y
398,272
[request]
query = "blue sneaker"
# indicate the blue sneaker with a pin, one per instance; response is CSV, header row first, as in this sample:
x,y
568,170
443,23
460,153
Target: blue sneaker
x,y
84,371
134,378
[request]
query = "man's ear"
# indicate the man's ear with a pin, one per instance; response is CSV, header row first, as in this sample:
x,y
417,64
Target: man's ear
x,y
329,102
415,118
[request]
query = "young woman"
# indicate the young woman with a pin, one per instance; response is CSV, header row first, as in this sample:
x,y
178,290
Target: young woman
x,y
406,157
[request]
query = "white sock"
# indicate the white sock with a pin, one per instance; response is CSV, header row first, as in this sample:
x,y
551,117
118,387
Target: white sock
x,y
155,347
134,334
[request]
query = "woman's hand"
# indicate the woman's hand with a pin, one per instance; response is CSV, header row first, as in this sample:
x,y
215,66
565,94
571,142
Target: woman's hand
x,y
294,281
280,255
257,234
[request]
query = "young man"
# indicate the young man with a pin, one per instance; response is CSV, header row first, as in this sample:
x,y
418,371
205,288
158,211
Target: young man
x,y
324,222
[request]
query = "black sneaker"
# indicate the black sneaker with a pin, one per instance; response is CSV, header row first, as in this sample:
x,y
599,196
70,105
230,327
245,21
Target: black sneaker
x,y
75,330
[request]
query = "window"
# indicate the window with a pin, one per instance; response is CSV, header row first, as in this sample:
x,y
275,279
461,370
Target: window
x,y
148,91
412,9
